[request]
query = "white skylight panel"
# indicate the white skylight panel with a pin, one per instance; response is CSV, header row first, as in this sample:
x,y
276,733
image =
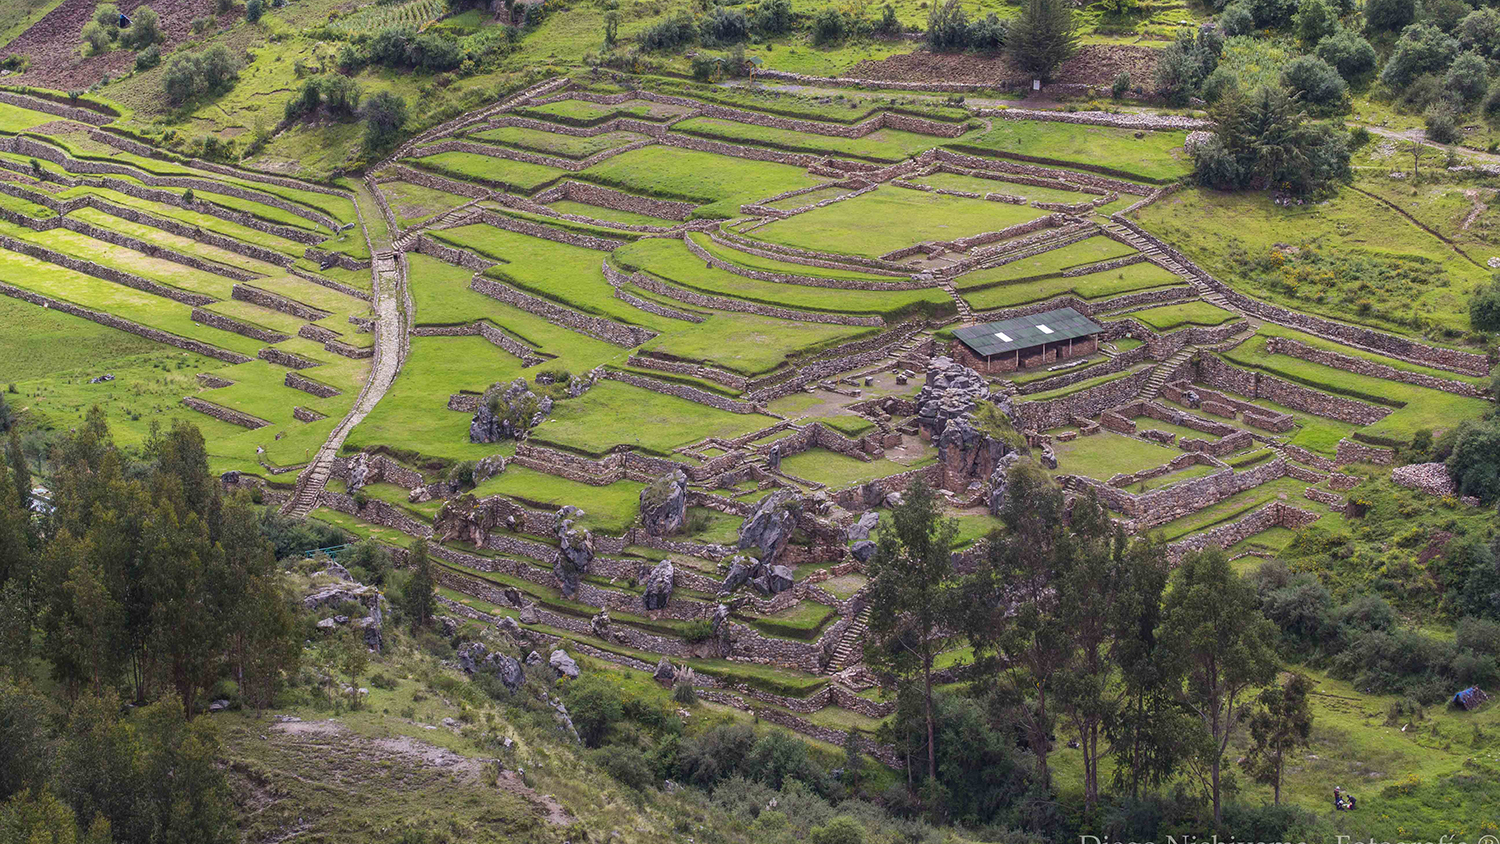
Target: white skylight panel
x,y
1003,336
1044,329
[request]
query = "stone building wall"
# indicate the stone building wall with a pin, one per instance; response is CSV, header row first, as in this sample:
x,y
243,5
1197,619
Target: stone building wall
x,y
1088,403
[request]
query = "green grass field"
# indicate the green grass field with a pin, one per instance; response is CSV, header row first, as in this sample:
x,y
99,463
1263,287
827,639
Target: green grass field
x,y
1168,317
1155,156
589,424
889,218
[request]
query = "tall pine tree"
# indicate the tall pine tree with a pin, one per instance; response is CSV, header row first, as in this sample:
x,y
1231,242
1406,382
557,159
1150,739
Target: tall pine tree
x,y
1043,37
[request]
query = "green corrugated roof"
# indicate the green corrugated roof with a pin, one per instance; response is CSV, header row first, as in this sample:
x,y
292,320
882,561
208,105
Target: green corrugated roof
x,y
1008,335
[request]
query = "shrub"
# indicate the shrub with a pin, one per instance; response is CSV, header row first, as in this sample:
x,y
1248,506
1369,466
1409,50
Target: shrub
x,y
724,26
840,830
627,765
1389,15
385,114
888,24
1315,21
987,34
698,630
253,10
1467,79
208,72
674,32
1042,36
1441,124
340,94
1316,80
773,17
1480,31
1422,49
947,28
96,37
1491,107
148,58
1237,20
828,27
1121,86
595,705
1445,14
1422,92
1272,14
1349,53
684,693
1219,83
145,29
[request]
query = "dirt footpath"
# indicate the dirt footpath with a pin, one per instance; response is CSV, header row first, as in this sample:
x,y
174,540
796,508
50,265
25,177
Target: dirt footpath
x,y
1096,64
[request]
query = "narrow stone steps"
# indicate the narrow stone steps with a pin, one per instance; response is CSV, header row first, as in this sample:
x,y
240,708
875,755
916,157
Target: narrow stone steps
x,y
851,645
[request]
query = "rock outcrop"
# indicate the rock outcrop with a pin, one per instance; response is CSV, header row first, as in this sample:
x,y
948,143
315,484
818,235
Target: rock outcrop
x,y
769,527
507,412
563,664
475,658
740,568
1000,482
664,505
658,586
574,553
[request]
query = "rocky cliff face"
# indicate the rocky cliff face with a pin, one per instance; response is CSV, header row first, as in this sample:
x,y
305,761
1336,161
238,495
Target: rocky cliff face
x,y
506,413
574,553
947,406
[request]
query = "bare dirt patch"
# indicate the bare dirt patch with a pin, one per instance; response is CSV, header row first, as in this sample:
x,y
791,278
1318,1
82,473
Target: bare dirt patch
x,y
53,43
1095,64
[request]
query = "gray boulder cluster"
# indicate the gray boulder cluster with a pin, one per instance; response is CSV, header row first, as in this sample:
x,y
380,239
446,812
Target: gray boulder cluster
x,y
359,472
346,591
950,392
858,534
664,505
507,412
766,579
575,551
475,658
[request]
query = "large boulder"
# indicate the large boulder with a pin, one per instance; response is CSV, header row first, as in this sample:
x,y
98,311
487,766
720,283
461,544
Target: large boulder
x,y
723,632
780,579
509,670
563,664
740,570
506,412
471,656
664,672
575,552
860,530
769,527
464,519
863,550
664,504
967,453
658,586
359,472
773,458
950,392
475,658
600,625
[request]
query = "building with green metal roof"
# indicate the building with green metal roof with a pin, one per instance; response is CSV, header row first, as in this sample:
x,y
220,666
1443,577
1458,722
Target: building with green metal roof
x,y
1026,341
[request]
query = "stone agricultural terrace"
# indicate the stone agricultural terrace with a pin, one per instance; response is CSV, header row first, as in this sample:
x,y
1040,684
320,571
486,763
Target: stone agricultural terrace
x,y
647,369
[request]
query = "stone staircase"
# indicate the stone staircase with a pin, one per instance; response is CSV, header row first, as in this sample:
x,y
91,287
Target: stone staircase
x,y
309,487
965,313
1163,371
1155,255
449,218
850,648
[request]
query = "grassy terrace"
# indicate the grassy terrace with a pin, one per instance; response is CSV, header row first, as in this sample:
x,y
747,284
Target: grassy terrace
x,y
611,508
612,215
1154,157
1168,317
193,218
412,204
14,119
836,470
585,112
1088,251
889,218
1106,454
590,423
105,254
552,143
884,145
750,344
981,185
719,183
671,261
1355,258
1234,507
1418,408
503,173
1101,285
414,416
757,262
568,275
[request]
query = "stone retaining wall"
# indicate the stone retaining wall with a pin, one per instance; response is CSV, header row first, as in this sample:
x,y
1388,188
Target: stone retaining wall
x,y
110,274
307,385
1004,165
603,329
803,280
1323,496
338,259
1158,506
722,303
80,115
1367,339
1216,372
451,254
694,370
302,414
224,323
602,197
1274,514
692,142
776,251
226,414
682,391
1349,451
1361,366
377,512
1088,403
153,250
844,358
287,359
113,321
502,221
487,330
276,302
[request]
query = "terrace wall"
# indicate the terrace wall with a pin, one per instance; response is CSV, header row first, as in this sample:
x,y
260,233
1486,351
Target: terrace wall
x,y
604,329
1361,366
1216,372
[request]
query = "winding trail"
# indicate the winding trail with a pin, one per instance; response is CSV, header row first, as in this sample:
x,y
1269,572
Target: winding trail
x,y
388,279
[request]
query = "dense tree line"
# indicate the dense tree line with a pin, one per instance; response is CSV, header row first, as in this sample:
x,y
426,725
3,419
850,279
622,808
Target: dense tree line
x,y
143,583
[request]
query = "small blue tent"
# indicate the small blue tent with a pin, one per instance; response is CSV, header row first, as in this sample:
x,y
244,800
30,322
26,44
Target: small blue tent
x,y
1470,698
